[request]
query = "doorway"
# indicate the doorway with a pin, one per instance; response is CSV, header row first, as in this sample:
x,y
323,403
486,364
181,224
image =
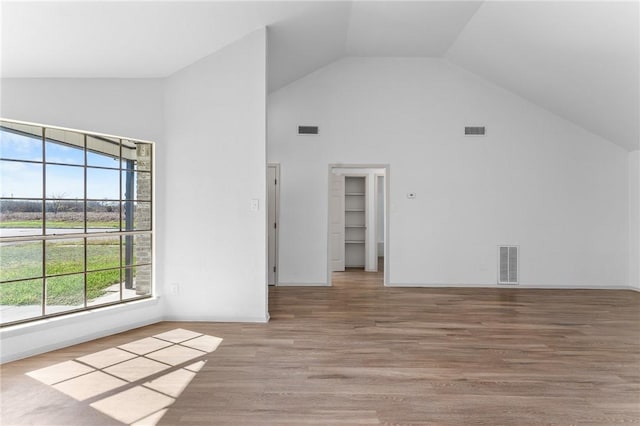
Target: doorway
x,y
273,207
357,220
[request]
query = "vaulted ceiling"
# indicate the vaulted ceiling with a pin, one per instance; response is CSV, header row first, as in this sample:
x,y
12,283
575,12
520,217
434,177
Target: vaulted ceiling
x,y
580,60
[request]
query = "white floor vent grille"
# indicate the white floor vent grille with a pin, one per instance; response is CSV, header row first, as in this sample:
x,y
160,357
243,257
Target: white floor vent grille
x,y
508,264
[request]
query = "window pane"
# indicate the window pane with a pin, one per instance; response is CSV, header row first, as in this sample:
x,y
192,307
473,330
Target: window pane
x,y
136,249
20,218
65,182
20,260
103,216
136,216
20,142
103,287
64,217
140,277
63,154
21,180
64,293
103,184
136,186
64,256
20,300
101,160
103,152
103,253
63,146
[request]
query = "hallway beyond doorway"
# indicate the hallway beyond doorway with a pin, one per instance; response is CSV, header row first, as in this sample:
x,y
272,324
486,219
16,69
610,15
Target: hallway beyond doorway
x,y
351,277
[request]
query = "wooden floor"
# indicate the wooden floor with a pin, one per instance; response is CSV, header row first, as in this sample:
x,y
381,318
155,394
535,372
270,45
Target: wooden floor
x,y
359,353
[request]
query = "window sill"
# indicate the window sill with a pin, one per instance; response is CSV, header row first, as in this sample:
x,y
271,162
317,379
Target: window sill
x,y
18,329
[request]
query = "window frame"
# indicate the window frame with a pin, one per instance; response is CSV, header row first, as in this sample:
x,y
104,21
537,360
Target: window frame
x,y
125,234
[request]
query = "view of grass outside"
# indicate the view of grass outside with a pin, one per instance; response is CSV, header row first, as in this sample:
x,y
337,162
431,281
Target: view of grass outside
x,y
63,257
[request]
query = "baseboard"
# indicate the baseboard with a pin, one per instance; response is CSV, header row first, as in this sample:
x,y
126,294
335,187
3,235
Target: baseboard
x,y
281,284
215,318
75,341
573,287
516,286
441,285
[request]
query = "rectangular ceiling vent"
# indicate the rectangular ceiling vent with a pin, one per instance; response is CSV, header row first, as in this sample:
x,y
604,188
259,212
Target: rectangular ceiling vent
x,y
307,130
508,264
475,130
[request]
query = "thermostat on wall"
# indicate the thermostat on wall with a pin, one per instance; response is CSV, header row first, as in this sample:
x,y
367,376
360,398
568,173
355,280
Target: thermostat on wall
x,y
411,195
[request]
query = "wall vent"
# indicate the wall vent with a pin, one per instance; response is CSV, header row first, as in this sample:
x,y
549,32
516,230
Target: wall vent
x,y
508,264
307,130
475,130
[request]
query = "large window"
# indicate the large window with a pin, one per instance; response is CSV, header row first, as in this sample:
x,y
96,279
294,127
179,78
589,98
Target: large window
x,y
75,221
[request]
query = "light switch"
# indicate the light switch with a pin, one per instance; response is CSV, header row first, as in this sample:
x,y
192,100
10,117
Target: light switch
x,y
255,205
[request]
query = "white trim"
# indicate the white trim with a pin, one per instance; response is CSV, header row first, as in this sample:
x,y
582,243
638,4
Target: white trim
x,y
520,286
387,171
277,218
375,243
69,129
73,318
387,225
76,341
298,284
216,319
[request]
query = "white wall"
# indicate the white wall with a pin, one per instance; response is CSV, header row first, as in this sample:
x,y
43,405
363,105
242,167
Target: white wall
x,y
210,161
124,107
215,148
634,219
535,180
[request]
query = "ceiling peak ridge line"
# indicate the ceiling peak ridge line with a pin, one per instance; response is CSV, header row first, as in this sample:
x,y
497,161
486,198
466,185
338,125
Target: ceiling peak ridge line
x,y
219,49
531,102
310,73
445,54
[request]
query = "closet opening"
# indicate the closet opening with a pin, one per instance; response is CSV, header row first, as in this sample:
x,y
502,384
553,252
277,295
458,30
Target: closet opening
x,y
357,229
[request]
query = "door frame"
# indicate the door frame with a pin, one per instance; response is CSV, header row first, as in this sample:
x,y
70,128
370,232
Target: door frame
x,y
387,251
375,213
276,279
333,179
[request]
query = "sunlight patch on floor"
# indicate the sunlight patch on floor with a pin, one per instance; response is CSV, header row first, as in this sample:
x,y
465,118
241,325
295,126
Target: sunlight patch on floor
x,y
134,383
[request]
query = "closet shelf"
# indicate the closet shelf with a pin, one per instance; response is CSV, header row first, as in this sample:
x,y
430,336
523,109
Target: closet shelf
x,y
354,242
354,193
355,226
354,210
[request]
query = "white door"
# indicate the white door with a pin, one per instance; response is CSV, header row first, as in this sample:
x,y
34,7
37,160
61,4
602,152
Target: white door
x,y
336,222
272,221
